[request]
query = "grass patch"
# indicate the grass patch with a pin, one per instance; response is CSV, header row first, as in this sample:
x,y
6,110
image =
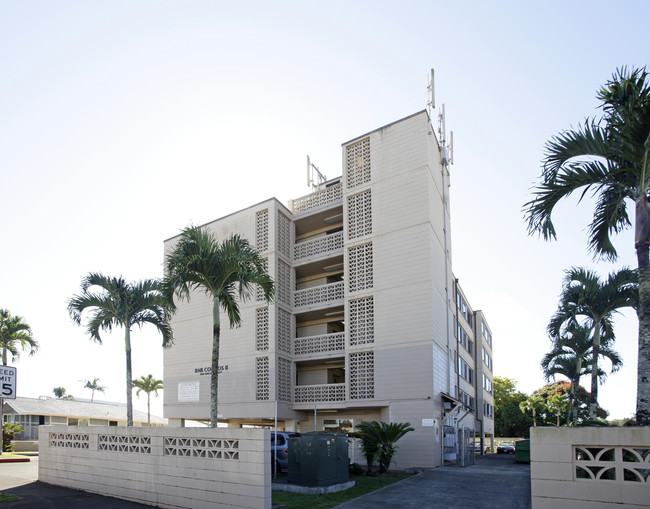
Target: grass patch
x,y
5,497
362,485
7,455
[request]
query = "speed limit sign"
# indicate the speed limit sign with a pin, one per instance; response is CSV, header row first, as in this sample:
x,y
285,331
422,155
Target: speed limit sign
x,y
7,382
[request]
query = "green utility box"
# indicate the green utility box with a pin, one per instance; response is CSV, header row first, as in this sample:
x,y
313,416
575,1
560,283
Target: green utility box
x,y
522,451
318,459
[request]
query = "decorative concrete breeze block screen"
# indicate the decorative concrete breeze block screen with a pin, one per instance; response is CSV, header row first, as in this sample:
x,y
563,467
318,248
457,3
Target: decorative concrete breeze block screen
x,y
358,163
262,329
70,440
359,215
262,230
361,321
360,267
116,443
284,283
284,380
284,235
259,293
621,464
362,375
284,335
262,378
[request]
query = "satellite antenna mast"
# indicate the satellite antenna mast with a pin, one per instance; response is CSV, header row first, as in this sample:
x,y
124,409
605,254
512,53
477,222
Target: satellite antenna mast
x,y
320,178
446,149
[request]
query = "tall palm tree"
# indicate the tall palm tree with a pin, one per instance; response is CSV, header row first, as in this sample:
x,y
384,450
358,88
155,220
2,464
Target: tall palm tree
x,y
609,158
585,297
112,302
148,384
15,335
94,386
534,403
225,272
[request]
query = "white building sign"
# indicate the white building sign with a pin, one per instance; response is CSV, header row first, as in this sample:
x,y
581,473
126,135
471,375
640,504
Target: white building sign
x,y
7,382
188,392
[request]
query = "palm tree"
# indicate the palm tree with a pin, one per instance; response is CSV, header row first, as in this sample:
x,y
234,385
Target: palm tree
x,y
225,272
115,303
15,334
94,386
585,297
534,403
148,384
557,404
59,392
610,158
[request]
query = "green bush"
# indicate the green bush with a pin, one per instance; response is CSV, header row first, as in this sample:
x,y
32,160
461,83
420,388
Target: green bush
x,y
8,432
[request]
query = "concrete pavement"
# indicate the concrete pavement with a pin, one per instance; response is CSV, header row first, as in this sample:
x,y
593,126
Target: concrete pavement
x,y
495,482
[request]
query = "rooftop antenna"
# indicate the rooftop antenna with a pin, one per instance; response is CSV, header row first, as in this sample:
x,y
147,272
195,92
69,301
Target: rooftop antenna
x,y
320,178
431,94
447,149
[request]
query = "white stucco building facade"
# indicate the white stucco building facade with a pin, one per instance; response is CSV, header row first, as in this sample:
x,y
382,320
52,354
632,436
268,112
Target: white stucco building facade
x,y
368,322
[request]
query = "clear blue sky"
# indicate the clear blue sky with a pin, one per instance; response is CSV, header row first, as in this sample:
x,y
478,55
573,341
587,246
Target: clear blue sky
x,y
124,121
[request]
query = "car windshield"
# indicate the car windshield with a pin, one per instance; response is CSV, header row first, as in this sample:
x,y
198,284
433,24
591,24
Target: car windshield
x,y
507,444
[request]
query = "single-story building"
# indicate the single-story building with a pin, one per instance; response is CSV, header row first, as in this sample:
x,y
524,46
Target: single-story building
x,y
34,412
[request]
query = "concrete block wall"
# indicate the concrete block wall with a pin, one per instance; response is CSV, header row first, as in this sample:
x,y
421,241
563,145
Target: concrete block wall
x,y
165,467
590,467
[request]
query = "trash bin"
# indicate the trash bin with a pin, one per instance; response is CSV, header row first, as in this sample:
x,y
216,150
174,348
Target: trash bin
x,y
522,451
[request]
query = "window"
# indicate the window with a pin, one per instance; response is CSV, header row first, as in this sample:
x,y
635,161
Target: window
x,y
463,308
465,371
463,338
466,398
486,333
488,410
487,384
487,359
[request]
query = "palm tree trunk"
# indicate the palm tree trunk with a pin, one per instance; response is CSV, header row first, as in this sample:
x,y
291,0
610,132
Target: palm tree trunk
x,y
593,400
214,375
149,408
642,241
129,383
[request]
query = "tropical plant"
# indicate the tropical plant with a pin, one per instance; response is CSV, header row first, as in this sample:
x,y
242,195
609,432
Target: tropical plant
x,y
571,357
581,402
534,404
148,384
558,404
226,272
59,392
9,430
378,441
112,302
15,335
94,386
585,298
610,158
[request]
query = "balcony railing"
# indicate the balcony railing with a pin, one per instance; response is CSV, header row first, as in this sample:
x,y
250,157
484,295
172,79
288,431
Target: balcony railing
x,y
319,294
325,343
319,393
322,197
321,245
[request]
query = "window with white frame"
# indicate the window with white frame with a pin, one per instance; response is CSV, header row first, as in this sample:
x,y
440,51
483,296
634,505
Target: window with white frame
x,y
465,371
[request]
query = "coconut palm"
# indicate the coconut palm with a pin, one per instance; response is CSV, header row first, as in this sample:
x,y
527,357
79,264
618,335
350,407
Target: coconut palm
x,y
148,384
112,302
585,297
94,386
226,272
15,336
610,159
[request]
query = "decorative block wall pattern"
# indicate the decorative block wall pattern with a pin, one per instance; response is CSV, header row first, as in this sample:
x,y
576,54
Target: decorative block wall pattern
x,y
284,379
69,440
325,196
285,331
262,385
262,230
283,283
357,170
284,235
362,375
359,215
201,448
361,321
262,329
259,293
114,443
360,267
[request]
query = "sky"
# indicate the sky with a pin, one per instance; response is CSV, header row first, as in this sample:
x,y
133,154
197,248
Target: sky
x,y
124,121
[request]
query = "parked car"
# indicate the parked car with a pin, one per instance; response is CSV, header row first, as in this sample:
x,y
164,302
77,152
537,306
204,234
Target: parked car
x,y
506,448
280,450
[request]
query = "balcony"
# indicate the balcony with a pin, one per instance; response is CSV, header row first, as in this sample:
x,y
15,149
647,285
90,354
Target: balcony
x,y
325,196
325,245
324,294
318,345
324,393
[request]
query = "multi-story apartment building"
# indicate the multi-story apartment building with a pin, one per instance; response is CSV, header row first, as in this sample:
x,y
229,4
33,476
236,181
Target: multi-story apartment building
x,y
365,324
